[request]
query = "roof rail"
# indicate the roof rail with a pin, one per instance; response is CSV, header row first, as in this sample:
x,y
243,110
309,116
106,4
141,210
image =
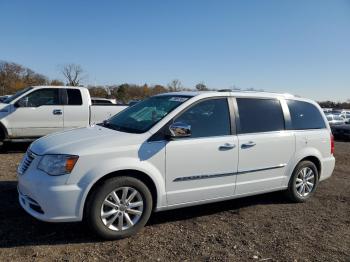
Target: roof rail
x,y
255,91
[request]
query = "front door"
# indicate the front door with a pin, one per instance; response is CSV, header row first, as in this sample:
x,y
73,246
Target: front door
x,y
37,114
203,166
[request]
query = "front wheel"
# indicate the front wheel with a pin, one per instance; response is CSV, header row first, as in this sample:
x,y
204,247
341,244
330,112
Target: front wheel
x,y
303,182
119,208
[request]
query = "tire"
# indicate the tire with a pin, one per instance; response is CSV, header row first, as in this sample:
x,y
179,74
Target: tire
x,y
304,174
2,137
4,146
103,202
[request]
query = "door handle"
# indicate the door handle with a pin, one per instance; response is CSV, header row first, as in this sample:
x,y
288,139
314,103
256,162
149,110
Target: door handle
x,y
57,112
226,146
248,145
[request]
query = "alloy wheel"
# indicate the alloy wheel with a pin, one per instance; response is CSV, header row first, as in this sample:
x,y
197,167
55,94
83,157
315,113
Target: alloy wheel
x,y
122,208
305,181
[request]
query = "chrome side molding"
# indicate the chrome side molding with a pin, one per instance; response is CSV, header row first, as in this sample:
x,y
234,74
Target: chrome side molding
x,y
198,177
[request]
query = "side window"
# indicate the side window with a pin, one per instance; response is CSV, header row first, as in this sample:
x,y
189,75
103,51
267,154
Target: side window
x,y
74,97
305,115
41,97
208,118
260,115
100,102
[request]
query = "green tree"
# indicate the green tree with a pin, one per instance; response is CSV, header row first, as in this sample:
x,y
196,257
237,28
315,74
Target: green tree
x,y
201,87
97,91
122,93
56,82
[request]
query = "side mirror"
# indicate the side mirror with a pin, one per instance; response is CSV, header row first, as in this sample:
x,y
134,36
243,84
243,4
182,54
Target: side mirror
x,y
180,129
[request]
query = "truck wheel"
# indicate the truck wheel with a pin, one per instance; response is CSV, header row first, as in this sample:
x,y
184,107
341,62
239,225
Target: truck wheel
x,y
303,182
4,146
119,208
2,137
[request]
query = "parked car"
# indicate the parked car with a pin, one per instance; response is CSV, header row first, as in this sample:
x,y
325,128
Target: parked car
x,y
103,101
336,112
327,110
41,110
346,116
176,150
335,120
341,131
2,98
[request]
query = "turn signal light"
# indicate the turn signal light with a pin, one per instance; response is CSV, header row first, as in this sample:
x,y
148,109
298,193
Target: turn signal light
x,y
70,163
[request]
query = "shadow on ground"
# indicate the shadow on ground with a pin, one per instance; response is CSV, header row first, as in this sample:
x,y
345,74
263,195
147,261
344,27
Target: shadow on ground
x,y
19,147
20,229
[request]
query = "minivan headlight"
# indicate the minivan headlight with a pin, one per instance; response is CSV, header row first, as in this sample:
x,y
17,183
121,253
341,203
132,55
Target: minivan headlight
x,y
56,165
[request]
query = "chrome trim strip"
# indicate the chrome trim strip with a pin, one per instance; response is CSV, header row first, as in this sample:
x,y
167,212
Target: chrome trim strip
x,y
261,169
198,177
186,178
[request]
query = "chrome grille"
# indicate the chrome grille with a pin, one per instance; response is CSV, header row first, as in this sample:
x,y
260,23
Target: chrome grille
x,y
25,163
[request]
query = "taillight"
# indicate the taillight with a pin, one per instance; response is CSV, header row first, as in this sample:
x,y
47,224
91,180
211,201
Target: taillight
x,y
332,144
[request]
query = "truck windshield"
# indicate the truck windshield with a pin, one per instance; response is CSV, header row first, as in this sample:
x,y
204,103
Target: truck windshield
x,y
142,116
18,94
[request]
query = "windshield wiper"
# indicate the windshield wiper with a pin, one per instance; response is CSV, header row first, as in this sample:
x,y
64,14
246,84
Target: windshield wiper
x,y
109,125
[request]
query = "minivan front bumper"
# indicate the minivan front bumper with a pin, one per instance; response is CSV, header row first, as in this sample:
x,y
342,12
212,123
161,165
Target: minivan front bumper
x,y
47,198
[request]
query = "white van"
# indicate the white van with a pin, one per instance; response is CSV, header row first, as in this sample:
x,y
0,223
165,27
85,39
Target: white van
x,y
175,150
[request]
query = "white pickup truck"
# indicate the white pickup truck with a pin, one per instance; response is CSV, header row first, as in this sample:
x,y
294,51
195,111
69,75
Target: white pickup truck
x,y
40,110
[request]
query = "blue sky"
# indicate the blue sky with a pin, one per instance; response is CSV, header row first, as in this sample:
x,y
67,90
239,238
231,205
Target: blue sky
x,y
300,47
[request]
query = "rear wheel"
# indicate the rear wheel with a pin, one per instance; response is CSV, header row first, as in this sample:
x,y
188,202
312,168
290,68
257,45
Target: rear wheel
x,y
118,208
303,182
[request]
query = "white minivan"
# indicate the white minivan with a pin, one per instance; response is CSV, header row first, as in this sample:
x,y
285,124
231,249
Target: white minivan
x,y
175,150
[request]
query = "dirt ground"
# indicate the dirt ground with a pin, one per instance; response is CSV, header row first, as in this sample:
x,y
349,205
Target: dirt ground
x,y
259,228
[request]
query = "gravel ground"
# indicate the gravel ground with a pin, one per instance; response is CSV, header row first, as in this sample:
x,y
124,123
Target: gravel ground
x,y
259,228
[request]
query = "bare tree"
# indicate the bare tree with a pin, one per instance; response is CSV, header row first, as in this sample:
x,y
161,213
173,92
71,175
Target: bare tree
x,y
73,74
175,85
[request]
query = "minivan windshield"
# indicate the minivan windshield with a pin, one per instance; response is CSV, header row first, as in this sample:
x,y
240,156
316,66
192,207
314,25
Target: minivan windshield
x,y
18,94
140,117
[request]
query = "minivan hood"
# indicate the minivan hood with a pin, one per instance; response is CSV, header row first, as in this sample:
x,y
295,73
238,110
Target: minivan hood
x,y
85,140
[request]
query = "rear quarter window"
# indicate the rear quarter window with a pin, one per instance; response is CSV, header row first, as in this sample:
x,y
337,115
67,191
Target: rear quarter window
x,y
100,102
305,115
74,97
